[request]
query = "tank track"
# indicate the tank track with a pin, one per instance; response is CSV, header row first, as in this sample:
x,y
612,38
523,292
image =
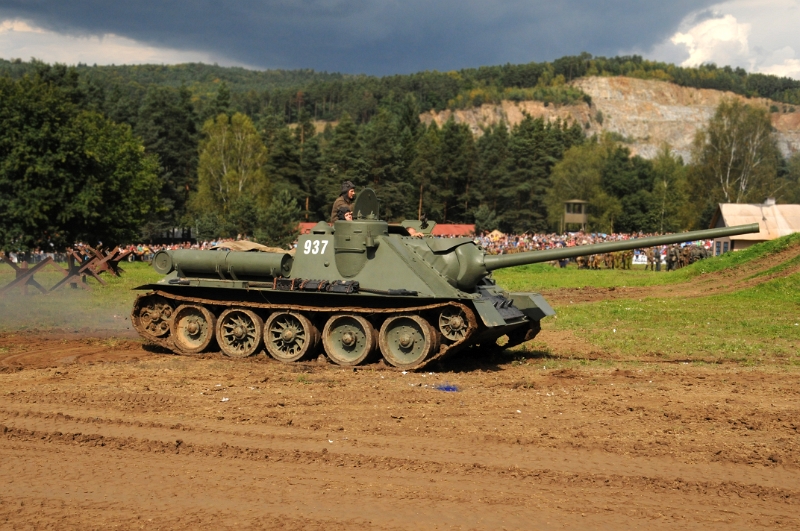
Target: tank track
x,y
164,339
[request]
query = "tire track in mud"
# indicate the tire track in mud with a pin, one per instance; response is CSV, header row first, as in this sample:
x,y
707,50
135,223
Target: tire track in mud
x,y
29,351
92,446
404,487
163,440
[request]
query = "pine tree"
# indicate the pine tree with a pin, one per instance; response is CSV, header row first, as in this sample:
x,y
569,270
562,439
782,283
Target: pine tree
x,y
493,157
284,165
279,222
222,102
167,125
456,172
385,164
424,169
341,161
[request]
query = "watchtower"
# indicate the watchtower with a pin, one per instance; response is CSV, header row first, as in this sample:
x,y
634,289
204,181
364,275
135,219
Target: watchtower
x,y
575,212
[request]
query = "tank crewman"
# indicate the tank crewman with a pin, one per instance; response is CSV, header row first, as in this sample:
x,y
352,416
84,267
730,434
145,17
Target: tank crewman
x,y
608,260
415,233
345,199
594,262
343,213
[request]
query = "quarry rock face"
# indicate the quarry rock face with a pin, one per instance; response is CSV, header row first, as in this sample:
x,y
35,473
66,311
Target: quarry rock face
x,y
644,114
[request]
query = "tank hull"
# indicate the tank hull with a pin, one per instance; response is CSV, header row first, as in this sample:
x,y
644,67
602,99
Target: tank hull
x,y
483,323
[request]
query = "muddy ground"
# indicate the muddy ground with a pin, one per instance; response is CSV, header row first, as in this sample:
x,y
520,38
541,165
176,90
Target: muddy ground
x,y
97,433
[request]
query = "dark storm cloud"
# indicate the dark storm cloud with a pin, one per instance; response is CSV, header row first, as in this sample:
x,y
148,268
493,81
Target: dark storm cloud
x,y
375,37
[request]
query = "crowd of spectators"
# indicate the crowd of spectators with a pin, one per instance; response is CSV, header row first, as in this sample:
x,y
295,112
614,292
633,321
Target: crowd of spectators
x,y
498,243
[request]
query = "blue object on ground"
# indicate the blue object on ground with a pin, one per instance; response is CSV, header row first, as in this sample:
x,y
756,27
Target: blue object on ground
x,y
447,388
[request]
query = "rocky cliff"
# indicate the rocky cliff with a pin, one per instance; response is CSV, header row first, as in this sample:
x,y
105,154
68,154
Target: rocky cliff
x,y
644,113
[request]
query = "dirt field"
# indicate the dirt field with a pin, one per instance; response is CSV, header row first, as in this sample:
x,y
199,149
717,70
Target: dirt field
x,y
98,433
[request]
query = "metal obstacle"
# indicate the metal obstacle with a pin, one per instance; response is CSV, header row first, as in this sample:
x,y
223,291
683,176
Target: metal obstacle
x,y
81,263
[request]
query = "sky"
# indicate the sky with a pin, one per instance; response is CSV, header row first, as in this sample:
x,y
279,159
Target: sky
x,y
383,37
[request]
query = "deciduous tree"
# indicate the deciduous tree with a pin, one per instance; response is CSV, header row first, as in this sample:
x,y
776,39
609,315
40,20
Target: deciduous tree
x,y
232,164
735,155
67,174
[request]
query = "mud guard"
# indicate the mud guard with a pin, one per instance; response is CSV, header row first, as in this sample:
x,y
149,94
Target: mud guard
x,y
532,305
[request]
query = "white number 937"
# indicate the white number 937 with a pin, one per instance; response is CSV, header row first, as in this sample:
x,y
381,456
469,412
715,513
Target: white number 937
x,y
313,246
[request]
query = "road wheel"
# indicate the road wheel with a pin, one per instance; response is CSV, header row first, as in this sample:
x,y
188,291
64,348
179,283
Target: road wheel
x,y
192,328
407,340
453,323
290,336
239,332
151,316
348,339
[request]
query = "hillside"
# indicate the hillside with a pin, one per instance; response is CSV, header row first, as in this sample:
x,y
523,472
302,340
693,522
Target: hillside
x,y
644,113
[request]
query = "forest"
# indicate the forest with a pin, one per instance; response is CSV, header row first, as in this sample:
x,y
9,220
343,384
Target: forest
x,y
227,151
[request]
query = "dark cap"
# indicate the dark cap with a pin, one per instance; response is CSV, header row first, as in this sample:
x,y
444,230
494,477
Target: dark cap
x,y
342,210
347,186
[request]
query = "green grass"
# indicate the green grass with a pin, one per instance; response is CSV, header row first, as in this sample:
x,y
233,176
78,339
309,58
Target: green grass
x,y
755,326
538,277
104,307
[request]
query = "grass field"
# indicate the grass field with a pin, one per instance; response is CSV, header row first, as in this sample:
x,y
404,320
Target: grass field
x,y
756,325
753,326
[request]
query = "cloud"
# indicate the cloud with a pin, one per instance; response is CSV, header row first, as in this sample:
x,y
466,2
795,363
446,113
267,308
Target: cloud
x,y
758,36
370,36
19,39
722,40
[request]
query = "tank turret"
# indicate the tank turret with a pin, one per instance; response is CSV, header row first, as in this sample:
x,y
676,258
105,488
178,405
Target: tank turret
x,y
356,290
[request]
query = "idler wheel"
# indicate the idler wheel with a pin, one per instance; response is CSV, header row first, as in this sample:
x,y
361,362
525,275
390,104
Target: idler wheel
x,y
151,316
453,324
290,336
239,332
348,339
192,328
407,340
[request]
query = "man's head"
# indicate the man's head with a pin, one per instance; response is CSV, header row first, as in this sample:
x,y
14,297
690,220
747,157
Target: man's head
x,y
348,189
344,214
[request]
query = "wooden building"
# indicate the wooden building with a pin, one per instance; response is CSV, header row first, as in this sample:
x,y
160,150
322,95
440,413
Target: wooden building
x,y
575,213
775,221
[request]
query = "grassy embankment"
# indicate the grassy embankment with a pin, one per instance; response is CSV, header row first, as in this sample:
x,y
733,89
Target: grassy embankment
x,y
756,325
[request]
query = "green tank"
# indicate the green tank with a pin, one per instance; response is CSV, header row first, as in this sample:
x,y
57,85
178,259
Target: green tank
x,y
357,290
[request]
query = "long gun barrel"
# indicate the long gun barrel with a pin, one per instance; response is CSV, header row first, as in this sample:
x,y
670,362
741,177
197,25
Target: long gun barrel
x,y
493,262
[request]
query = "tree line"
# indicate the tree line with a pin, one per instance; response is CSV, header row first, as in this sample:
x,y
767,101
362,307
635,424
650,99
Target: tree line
x,y
288,94
174,160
